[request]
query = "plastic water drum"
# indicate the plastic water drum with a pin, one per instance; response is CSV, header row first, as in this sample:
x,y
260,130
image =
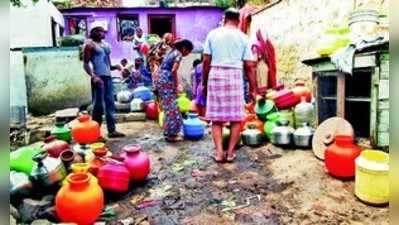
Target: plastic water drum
x,y
372,177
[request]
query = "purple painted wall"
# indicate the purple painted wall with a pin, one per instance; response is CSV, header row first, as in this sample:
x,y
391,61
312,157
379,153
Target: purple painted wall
x,y
192,23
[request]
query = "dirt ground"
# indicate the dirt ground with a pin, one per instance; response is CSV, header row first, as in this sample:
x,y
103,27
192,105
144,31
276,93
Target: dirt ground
x,y
266,185
280,186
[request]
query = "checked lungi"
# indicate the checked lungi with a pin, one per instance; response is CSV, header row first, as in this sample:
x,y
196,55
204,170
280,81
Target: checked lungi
x,y
225,98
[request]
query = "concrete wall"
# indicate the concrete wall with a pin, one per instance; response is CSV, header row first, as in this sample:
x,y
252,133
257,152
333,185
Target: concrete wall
x,y
193,23
55,80
295,26
30,25
17,80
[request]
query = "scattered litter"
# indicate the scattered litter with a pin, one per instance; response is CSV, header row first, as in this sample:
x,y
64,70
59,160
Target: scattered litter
x,y
127,221
160,193
136,199
108,214
234,207
146,204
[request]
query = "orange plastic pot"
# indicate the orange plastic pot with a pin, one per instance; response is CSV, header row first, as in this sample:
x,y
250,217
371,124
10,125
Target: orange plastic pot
x,y
80,201
250,107
255,122
85,131
248,118
301,91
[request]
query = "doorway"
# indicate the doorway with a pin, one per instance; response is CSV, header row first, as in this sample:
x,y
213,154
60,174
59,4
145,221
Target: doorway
x,y
161,24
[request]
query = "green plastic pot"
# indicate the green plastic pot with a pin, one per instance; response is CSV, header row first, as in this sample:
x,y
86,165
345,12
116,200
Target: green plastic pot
x,y
61,132
21,159
184,103
264,107
271,122
226,138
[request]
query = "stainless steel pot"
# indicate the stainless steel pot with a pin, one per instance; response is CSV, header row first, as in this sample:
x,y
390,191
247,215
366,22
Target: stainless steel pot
x,y
252,136
49,171
20,185
282,133
303,136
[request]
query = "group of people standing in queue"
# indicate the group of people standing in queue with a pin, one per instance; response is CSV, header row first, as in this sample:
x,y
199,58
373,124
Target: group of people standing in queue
x,y
218,80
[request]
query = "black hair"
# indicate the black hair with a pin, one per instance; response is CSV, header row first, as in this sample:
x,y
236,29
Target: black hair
x,y
179,44
124,61
232,14
196,62
94,32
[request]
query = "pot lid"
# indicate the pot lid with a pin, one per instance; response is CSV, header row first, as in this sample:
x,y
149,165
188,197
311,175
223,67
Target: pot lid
x,y
329,127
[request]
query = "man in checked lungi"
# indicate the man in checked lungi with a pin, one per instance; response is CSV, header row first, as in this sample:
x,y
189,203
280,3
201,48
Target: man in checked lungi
x,y
227,53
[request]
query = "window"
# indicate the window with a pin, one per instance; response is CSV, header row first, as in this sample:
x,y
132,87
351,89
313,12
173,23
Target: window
x,y
127,25
77,25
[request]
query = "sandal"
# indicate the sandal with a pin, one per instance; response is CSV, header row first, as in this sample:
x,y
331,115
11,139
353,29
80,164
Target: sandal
x,y
174,139
217,160
231,159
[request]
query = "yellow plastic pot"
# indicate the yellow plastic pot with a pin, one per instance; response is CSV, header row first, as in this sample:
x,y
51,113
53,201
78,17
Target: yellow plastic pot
x,y
372,177
81,168
161,119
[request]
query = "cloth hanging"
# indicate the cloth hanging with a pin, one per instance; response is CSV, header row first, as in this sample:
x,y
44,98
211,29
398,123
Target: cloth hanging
x,y
266,49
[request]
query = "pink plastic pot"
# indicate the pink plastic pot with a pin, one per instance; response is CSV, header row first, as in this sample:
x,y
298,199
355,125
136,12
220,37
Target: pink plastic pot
x,y
114,176
137,162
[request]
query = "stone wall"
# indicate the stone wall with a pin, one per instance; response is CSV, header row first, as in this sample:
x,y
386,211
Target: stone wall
x,y
295,26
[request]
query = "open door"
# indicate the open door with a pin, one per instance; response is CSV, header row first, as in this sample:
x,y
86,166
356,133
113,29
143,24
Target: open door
x,y
161,24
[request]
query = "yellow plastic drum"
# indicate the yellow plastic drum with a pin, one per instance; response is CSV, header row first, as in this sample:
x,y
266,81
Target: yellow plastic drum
x,y
372,177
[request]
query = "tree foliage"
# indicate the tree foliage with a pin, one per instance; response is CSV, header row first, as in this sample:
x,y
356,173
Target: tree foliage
x,y
18,3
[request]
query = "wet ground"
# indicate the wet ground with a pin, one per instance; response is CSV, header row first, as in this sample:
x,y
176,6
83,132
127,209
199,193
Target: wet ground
x,y
266,185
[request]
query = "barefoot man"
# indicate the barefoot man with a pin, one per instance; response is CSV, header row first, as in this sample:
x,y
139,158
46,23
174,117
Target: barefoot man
x,y
227,53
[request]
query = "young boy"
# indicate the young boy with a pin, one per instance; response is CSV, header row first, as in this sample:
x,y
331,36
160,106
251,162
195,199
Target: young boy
x,y
197,88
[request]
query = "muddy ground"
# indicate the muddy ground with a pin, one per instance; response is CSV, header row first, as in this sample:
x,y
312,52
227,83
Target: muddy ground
x,y
266,185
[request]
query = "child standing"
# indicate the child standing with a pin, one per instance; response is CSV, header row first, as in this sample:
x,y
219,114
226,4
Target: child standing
x,y
198,97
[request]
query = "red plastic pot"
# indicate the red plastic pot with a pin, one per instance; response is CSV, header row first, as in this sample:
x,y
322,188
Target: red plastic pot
x,y
151,111
340,157
114,176
137,162
284,98
54,147
86,130
98,160
301,91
